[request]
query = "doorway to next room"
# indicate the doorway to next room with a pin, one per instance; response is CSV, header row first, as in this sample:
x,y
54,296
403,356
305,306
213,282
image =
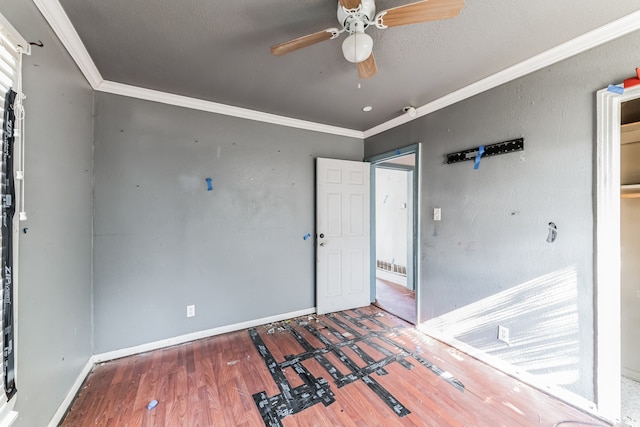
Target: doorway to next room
x,y
394,225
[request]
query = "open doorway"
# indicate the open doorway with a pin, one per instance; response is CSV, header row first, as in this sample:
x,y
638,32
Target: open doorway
x,y
629,266
394,232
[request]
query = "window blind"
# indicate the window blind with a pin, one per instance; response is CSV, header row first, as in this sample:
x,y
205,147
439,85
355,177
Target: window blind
x,y
12,46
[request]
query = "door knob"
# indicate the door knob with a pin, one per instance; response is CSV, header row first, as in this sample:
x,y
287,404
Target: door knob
x,y
321,235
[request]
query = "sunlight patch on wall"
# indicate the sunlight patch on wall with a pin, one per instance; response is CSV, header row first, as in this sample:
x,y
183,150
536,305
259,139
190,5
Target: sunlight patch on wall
x,y
543,320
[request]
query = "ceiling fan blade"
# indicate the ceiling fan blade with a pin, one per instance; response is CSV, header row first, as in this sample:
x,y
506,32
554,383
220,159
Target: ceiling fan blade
x,y
304,41
349,4
422,11
367,68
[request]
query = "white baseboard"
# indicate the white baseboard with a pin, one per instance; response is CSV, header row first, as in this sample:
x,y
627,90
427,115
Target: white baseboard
x,y
116,354
130,351
631,374
566,396
392,277
9,419
66,402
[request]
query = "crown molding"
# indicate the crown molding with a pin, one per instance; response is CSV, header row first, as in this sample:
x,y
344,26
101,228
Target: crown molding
x,y
59,21
606,33
61,25
228,110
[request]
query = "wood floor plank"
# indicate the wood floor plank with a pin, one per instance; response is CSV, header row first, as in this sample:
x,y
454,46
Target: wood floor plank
x,y
357,363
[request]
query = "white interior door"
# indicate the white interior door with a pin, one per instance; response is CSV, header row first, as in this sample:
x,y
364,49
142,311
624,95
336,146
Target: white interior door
x,y
342,229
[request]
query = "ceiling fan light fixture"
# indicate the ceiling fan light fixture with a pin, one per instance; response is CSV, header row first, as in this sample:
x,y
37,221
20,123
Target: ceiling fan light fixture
x,y
357,47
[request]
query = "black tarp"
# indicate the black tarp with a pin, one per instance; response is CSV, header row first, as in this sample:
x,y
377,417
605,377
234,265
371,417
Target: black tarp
x,y
8,210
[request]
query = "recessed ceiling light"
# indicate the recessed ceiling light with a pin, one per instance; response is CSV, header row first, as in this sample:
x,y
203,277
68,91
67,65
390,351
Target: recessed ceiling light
x,y
367,108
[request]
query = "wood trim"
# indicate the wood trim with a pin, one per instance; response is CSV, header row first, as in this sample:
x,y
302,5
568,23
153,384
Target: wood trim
x,y
573,47
73,391
607,289
607,251
558,392
103,357
630,133
61,25
231,380
631,374
630,191
110,355
227,110
59,21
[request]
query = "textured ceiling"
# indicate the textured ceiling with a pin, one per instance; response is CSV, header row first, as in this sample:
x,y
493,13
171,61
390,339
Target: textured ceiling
x,y
218,50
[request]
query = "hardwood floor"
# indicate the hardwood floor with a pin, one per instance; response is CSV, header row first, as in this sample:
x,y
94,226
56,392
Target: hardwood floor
x,y
355,368
396,299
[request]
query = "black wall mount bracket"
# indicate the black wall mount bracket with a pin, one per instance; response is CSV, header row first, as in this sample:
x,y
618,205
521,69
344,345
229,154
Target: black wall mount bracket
x,y
489,150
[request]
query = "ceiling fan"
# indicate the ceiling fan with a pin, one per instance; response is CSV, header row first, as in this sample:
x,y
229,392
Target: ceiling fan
x,y
355,16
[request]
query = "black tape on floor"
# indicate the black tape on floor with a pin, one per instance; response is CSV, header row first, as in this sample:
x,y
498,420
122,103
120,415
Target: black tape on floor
x,y
317,390
289,401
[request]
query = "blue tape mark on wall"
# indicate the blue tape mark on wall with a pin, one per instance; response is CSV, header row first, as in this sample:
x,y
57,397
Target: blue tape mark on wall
x,y
306,236
209,185
398,151
480,153
616,89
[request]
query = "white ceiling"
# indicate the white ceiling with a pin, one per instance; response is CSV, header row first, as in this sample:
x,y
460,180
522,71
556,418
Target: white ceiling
x,y
218,51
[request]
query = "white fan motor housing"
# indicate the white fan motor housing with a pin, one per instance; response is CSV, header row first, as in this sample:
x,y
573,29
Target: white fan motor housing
x,y
364,13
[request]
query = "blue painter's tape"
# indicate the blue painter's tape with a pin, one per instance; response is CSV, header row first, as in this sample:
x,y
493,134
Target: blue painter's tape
x,y
152,404
480,153
397,151
385,199
616,89
209,185
306,236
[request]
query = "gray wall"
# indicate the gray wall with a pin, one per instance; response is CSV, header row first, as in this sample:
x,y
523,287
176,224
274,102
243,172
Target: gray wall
x,y
162,241
489,254
54,339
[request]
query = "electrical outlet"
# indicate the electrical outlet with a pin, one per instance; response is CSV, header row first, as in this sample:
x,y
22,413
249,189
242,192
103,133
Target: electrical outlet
x,y
191,310
503,333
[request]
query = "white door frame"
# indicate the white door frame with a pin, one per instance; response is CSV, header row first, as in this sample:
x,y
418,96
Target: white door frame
x,y
607,242
417,190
